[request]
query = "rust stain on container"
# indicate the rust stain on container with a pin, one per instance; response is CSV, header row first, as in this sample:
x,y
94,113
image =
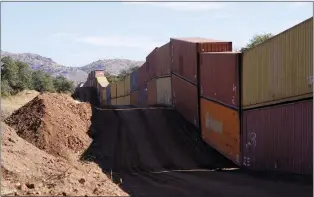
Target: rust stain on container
x,y
279,138
134,98
184,53
185,99
221,129
113,90
142,76
163,66
120,88
151,92
151,64
219,77
164,91
280,69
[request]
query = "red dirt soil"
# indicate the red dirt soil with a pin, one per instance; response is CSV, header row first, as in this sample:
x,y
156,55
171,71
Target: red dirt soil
x,y
55,123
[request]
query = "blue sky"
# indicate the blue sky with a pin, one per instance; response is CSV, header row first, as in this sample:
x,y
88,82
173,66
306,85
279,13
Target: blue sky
x,y
78,33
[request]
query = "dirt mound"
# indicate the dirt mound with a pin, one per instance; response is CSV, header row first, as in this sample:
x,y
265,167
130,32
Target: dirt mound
x,y
27,170
54,123
148,140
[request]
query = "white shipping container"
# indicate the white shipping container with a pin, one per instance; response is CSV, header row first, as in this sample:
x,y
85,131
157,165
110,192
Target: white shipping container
x,y
164,91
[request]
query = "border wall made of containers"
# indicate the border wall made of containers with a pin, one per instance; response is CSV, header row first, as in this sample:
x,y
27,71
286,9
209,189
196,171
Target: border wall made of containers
x,y
254,107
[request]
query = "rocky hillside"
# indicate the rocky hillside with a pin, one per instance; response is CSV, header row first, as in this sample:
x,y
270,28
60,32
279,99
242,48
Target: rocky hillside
x,y
76,74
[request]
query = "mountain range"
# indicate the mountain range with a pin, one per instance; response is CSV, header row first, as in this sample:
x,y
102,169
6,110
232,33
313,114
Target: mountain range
x,y
76,74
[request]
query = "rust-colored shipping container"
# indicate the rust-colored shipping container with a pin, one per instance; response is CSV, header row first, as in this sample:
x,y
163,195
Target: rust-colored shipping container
x,y
279,69
113,90
142,76
163,66
134,98
279,138
127,85
184,52
219,77
151,64
185,99
220,127
151,92
164,91
114,101
120,88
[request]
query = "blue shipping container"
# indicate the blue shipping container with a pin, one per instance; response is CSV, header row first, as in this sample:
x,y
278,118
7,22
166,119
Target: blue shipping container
x,y
142,97
108,92
134,80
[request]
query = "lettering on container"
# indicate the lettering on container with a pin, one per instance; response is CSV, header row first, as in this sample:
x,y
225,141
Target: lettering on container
x,y
201,90
247,161
213,124
251,140
237,158
310,80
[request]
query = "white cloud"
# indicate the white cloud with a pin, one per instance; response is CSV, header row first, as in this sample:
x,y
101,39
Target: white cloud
x,y
184,6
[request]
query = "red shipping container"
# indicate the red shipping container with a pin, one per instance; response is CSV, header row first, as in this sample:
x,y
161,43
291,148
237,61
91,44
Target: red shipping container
x,y
279,138
134,98
151,62
163,66
184,53
219,77
152,92
185,99
142,76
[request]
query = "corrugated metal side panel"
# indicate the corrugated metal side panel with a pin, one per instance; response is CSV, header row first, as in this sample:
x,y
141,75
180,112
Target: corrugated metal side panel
x,y
134,80
142,76
134,98
280,69
219,77
151,92
221,129
120,100
127,100
163,66
108,102
215,47
120,88
164,91
142,97
279,138
113,90
151,61
114,101
127,85
102,95
108,92
185,99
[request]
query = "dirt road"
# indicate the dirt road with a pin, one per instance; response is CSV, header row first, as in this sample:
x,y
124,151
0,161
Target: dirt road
x,y
136,146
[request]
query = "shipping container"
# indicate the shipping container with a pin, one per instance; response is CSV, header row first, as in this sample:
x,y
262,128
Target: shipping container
x,y
185,99
142,97
280,69
134,98
114,101
120,100
108,92
134,80
142,76
151,92
127,100
184,53
164,91
102,96
96,73
163,65
279,138
219,77
151,62
108,102
120,88
113,90
127,85
220,127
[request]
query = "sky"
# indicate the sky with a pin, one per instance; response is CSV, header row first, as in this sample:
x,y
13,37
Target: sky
x,y
78,33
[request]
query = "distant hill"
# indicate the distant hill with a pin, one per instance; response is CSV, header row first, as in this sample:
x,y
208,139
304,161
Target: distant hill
x,y
76,74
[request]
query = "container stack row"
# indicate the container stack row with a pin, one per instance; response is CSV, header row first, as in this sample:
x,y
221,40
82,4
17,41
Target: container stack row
x,y
255,107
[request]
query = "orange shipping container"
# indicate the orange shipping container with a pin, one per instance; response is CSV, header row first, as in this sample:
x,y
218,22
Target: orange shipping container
x,y
152,92
221,129
113,90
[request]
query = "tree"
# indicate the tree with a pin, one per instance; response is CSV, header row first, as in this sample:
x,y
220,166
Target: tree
x,y
63,85
42,82
9,72
257,39
24,76
6,89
